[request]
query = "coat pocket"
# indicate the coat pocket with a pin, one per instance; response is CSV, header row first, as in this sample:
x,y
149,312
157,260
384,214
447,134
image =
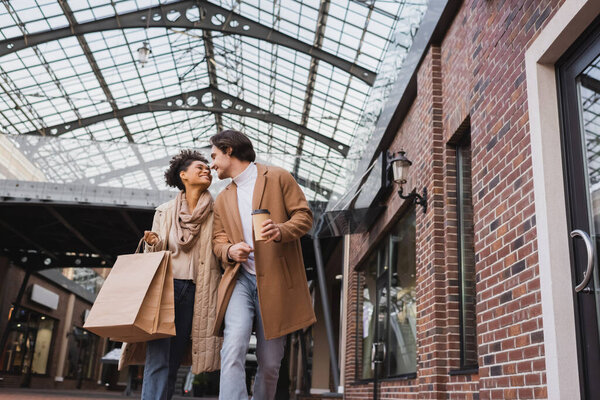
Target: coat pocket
x,y
286,272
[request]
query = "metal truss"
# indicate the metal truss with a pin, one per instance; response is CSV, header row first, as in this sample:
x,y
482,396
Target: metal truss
x,y
17,191
71,228
312,76
207,99
191,14
212,71
315,186
164,161
92,61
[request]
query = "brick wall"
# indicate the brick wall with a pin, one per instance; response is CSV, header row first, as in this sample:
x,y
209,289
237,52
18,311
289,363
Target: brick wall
x,y
476,77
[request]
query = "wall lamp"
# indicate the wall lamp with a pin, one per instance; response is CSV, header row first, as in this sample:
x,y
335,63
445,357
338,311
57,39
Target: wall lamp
x,y
400,165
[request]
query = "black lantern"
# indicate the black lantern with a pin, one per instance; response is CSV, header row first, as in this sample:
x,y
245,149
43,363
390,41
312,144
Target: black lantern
x,y
400,166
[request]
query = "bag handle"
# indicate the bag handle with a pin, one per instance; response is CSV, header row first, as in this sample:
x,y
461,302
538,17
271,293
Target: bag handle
x,y
139,246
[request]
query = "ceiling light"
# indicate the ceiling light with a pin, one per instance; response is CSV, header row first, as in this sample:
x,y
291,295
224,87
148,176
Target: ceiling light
x,y
143,54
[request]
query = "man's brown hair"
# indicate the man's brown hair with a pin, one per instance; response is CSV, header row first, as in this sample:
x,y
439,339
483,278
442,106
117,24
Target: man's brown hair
x,y
241,146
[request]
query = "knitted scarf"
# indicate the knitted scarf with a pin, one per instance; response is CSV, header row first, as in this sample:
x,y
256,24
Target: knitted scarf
x,y
187,225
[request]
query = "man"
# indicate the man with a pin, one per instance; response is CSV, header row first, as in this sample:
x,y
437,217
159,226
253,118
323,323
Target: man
x,y
264,283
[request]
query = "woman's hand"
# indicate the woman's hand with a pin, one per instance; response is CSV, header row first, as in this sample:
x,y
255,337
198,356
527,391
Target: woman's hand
x,y
151,238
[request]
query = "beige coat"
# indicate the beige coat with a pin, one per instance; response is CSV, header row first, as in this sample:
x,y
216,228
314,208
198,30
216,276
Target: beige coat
x,y
283,294
204,350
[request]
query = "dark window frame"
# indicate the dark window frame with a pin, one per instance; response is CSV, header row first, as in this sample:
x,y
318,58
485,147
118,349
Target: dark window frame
x,y
466,366
381,245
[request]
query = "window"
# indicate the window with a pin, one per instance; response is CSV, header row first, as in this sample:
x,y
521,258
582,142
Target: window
x,y
387,291
29,341
466,256
91,279
81,358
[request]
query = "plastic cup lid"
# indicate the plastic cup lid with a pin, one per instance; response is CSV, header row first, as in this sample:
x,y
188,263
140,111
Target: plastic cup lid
x,y
261,211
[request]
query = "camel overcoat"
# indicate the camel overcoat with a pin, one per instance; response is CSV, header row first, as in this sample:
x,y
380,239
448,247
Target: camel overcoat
x,y
204,351
283,295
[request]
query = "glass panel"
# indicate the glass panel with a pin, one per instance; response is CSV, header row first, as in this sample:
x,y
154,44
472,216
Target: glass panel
x,y
382,323
56,82
363,123
88,278
28,343
402,343
18,349
389,276
43,341
81,353
368,285
588,86
89,356
467,257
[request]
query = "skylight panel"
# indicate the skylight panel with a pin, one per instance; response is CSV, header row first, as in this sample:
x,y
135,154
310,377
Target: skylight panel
x,y
272,77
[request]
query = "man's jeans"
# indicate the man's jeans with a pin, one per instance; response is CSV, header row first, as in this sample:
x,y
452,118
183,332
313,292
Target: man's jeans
x,y
242,311
163,356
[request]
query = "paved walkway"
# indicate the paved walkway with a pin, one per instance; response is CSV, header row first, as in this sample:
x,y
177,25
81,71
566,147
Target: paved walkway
x,y
38,394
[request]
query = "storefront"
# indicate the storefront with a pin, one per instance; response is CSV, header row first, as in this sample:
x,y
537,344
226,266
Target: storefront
x,y
387,309
461,286
45,344
30,340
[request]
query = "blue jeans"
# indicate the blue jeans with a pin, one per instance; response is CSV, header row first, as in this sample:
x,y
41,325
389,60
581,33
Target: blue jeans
x,y
163,356
243,309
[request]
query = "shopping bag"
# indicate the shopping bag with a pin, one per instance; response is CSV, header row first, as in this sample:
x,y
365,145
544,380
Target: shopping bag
x,y
135,304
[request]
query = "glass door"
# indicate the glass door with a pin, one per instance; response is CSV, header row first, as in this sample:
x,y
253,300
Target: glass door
x,y
579,81
379,352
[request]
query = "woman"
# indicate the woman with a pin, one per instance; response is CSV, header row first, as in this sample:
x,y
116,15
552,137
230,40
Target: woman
x,y
183,226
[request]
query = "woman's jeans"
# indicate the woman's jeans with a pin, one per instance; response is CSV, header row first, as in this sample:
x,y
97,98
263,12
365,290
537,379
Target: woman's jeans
x,y
163,356
243,309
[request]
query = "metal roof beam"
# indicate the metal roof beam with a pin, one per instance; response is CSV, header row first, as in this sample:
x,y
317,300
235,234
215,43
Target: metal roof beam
x,y
78,234
132,225
312,76
189,14
216,102
312,185
94,65
25,239
212,70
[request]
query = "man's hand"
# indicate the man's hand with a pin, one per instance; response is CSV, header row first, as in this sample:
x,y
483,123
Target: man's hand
x,y
270,231
151,237
239,252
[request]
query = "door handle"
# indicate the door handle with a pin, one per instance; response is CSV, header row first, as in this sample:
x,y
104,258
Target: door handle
x,y
377,356
373,351
373,357
590,258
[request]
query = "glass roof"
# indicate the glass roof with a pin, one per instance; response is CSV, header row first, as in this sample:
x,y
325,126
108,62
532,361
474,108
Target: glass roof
x,y
52,88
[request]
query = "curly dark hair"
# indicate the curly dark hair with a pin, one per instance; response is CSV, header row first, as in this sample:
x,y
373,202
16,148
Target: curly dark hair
x,y
179,163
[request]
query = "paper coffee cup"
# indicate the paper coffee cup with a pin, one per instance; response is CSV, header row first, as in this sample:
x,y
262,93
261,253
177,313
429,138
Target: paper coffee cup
x,y
258,217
